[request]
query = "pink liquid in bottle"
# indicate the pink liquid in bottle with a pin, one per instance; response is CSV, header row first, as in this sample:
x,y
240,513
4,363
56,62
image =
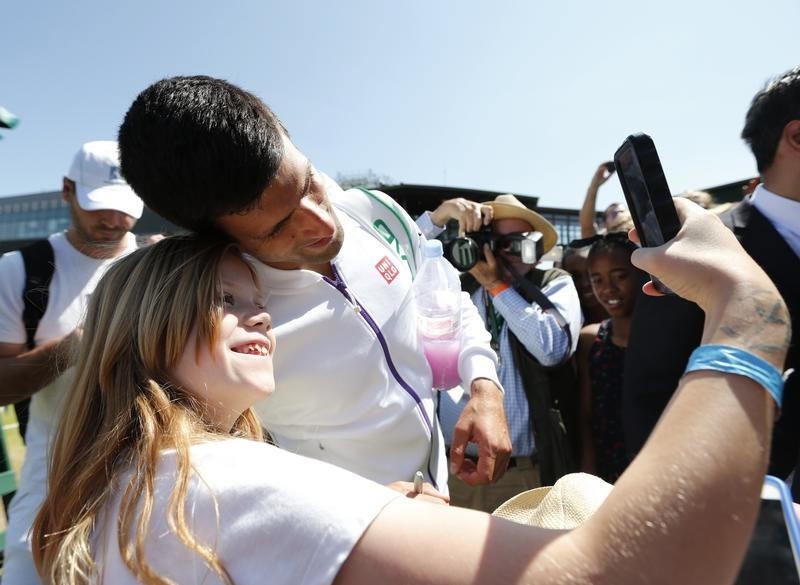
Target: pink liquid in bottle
x,y
442,356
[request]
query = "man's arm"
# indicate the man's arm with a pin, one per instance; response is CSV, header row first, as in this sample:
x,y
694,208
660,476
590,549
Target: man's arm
x,y
25,372
588,209
483,419
483,422
471,215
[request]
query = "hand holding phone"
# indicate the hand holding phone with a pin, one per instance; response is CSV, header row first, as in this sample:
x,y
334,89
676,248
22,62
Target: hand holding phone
x,y
647,194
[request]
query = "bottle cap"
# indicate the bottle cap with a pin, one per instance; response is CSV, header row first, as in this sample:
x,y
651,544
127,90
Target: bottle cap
x,y
433,249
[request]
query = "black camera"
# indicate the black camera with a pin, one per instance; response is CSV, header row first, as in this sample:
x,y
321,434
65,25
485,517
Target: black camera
x,y
465,251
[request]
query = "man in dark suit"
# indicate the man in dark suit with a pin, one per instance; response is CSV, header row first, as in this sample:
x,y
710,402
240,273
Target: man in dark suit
x,y
665,330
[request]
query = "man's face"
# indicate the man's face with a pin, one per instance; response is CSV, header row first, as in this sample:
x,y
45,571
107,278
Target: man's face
x,y
506,226
293,225
611,212
96,228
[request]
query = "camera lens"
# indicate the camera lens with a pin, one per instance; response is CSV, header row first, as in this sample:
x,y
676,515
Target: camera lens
x,y
463,253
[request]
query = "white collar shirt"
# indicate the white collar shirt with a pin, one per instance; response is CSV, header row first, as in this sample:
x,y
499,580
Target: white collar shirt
x,y
783,213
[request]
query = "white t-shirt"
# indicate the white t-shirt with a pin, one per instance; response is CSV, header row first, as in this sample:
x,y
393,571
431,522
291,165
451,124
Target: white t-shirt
x,y
74,279
283,518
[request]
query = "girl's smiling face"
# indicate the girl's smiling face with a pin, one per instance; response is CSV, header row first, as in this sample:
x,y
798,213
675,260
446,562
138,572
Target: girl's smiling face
x,y
235,371
615,281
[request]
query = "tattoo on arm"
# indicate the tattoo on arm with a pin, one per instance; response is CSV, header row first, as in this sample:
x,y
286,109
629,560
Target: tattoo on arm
x,y
755,333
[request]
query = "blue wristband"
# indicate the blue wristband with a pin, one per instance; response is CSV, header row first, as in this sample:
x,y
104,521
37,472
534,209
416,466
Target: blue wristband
x,y
734,360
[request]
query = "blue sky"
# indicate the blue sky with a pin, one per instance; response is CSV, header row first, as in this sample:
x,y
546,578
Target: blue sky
x,y
525,97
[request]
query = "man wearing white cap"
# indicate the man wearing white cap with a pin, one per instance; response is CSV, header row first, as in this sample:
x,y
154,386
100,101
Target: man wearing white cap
x,y
103,209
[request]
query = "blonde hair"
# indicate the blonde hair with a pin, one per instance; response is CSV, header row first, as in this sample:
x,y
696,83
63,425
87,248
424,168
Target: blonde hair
x,y
123,409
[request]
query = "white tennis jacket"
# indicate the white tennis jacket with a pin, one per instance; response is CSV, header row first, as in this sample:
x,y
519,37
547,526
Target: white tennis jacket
x,y
353,386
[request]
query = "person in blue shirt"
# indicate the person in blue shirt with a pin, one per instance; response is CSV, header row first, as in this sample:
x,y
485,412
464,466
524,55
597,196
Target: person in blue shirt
x,y
530,339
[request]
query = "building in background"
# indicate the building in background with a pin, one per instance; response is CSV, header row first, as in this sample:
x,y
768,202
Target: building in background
x,y
416,199
25,218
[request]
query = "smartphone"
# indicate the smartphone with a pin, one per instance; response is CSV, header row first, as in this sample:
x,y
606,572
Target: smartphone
x,y
772,556
647,194
610,167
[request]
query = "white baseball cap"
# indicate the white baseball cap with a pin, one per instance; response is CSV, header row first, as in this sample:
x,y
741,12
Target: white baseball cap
x,y
98,182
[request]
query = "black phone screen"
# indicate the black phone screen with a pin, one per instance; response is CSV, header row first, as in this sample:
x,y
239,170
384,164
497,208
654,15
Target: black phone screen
x,y
640,198
646,191
769,558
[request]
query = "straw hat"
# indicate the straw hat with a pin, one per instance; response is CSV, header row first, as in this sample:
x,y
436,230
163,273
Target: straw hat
x,y
567,504
509,207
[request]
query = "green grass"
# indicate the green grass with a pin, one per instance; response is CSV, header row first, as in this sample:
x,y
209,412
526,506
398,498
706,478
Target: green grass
x,y
14,444
15,450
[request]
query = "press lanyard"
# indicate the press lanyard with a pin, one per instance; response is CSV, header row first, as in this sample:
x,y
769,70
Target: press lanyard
x,y
495,321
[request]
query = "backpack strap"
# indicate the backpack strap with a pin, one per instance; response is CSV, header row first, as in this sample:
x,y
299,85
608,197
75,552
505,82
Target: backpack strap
x,y
390,223
528,287
39,267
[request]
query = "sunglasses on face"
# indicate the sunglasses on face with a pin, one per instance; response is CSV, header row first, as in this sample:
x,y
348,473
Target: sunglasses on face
x,y
620,237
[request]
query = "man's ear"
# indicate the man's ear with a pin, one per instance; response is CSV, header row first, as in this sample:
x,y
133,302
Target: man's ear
x,y
67,190
791,135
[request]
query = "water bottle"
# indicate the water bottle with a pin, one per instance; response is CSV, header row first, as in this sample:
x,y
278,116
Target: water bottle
x,y
437,293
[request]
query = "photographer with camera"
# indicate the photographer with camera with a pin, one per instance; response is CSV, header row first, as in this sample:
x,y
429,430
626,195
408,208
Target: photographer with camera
x,y
534,317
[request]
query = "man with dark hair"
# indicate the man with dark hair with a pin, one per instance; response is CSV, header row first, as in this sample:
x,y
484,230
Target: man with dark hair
x,y
354,386
771,111
202,148
666,330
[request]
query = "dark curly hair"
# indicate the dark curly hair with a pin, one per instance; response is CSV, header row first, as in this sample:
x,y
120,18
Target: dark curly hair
x,y
771,109
196,148
612,242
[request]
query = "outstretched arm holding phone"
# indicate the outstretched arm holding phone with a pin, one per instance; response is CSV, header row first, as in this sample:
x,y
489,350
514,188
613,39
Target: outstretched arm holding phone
x,y
698,479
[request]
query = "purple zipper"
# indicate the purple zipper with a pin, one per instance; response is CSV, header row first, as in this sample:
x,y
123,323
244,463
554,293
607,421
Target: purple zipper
x,y
342,288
